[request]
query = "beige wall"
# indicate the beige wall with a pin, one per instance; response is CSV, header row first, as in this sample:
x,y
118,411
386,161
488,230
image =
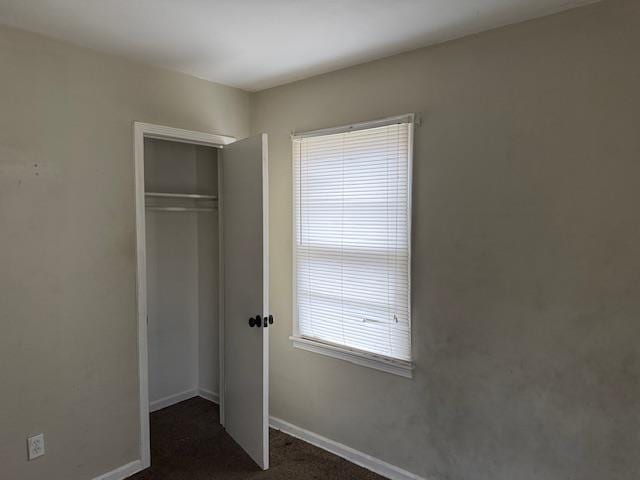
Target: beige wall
x,y
68,352
526,291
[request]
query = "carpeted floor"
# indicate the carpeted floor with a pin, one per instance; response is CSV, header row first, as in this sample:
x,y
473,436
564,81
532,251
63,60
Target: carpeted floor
x,y
188,443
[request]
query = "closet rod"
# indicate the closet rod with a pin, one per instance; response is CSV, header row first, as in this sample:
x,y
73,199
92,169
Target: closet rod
x,y
180,195
182,209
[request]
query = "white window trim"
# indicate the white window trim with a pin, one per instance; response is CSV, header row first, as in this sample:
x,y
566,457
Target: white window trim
x,y
359,357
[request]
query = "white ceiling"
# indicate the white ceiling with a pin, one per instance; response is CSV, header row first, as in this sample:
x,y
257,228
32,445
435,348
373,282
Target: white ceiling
x,y
256,44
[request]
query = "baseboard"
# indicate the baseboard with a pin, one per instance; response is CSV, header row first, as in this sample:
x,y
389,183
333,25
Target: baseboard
x,y
209,395
122,472
172,399
354,456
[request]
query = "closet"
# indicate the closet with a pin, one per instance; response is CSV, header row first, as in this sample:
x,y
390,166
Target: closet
x,y
202,236
181,191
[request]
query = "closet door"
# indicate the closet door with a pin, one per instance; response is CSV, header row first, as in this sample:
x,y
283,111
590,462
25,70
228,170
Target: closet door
x,y
245,232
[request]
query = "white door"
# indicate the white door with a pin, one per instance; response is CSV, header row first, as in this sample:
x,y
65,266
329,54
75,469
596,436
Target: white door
x,y
245,232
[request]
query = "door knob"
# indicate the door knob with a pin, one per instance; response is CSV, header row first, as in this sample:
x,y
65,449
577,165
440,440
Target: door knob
x,y
255,322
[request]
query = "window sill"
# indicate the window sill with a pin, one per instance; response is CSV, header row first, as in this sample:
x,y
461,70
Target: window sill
x,y
371,360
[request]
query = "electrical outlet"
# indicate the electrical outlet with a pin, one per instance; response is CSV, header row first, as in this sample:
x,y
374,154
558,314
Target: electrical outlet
x,y
36,446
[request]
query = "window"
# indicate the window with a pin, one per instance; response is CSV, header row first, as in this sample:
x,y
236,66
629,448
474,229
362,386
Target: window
x,y
352,243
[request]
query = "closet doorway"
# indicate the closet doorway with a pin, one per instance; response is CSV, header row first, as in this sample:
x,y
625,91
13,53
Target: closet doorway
x,y
202,260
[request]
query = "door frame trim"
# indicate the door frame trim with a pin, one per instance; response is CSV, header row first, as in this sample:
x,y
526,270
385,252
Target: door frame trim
x,y
141,131
266,291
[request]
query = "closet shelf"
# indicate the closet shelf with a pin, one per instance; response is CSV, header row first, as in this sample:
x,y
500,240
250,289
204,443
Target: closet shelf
x,y
208,204
182,209
195,196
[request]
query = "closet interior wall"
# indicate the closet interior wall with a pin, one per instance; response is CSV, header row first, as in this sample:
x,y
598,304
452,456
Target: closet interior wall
x,y
182,272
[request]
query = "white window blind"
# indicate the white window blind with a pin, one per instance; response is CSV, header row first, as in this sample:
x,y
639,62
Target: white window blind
x,y
352,234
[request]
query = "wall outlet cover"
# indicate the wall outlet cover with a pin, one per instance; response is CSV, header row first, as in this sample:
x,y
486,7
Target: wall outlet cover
x,y
36,446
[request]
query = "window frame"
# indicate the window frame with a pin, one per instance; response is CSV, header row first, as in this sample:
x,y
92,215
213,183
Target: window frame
x,y
356,356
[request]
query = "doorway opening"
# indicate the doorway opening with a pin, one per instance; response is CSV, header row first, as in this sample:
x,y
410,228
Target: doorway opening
x,y
197,300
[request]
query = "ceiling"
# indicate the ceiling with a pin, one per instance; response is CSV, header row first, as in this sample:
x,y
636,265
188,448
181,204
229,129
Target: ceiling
x,y
257,44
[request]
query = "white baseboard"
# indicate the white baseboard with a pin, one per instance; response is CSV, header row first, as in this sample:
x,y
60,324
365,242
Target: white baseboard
x,y
186,395
209,395
354,456
122,472
172,399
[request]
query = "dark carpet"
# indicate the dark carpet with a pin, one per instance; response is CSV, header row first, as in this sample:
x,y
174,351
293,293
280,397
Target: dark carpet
x,y
188,443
